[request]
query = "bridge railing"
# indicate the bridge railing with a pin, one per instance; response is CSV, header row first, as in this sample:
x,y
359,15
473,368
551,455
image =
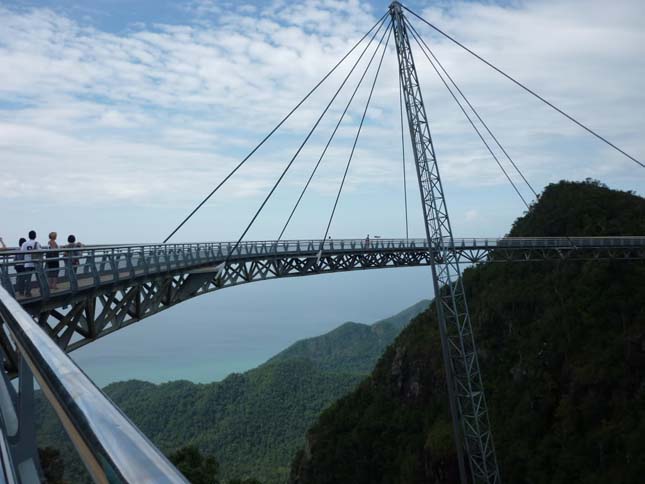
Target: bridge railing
x,y
111,447
44,273
547,242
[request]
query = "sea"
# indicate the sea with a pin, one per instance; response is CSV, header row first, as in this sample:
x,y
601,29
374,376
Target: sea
x,y
236,329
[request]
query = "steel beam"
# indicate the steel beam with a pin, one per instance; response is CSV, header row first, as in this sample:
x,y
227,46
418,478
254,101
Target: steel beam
x,y
471,426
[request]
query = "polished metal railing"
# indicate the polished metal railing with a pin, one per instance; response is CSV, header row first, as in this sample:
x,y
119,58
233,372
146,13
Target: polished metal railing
x,y
110,445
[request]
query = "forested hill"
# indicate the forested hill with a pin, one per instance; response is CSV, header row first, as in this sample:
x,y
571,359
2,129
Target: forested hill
x,y
562,351
351,347
252,422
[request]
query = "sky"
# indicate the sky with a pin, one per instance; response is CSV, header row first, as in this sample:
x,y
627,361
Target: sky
x,y
118,117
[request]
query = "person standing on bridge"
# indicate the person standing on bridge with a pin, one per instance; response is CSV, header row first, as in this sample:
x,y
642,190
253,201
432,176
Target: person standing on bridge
x,y
29,246
2,246
20,268
367,241
73,256
53,264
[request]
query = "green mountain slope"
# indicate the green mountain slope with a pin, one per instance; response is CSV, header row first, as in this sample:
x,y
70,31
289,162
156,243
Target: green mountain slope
x,y
352,347
562,351
252,422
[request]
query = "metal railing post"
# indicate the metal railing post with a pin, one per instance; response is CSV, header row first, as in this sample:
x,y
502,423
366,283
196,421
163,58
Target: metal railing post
x,y
41,278
114,265
5,279
128,262
71,273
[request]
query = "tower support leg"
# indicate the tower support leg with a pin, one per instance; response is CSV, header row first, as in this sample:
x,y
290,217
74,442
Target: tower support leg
x,y
472,432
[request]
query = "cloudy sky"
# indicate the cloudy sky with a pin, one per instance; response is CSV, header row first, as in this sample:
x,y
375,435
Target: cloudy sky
x,y
117,117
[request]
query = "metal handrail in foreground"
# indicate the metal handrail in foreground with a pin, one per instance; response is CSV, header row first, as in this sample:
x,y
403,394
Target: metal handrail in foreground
x,y
112,448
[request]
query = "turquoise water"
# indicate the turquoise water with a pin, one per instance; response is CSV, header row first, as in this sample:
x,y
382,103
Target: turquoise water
x,y
239,328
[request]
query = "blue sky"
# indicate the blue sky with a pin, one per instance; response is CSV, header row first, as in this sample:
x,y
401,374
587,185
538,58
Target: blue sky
x,y
117,117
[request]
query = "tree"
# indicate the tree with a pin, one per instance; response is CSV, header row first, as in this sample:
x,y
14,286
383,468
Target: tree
x,y
198,469
52,465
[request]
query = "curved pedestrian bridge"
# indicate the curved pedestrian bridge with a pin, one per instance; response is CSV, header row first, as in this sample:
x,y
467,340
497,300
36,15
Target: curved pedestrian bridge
x,y
100,289
92,267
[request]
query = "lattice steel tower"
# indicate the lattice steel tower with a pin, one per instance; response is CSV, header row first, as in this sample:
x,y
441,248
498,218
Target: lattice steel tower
x,y
465,390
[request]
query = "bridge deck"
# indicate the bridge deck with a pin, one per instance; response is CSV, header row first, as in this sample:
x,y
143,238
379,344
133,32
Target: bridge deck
x,y
94,266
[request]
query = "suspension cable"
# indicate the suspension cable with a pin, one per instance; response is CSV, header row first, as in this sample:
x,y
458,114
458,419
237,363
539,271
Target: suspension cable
x,y
304,142
405,185
380,21
333,134
519,194
452,81
533,93
358,133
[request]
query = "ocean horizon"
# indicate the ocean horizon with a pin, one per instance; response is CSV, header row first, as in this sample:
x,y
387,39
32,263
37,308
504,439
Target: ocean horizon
x,y
205,339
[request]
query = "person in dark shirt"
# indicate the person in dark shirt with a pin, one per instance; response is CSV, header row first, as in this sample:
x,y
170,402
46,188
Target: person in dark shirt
x,y
20,268
53,264
73,256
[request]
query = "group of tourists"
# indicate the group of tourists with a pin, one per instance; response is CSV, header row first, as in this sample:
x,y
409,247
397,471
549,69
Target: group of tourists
x,y
27,259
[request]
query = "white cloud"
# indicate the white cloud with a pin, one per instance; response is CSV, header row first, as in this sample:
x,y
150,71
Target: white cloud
x,y
159,113
471,215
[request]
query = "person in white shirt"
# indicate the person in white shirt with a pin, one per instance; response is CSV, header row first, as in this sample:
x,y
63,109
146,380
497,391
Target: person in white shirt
x,y
31,245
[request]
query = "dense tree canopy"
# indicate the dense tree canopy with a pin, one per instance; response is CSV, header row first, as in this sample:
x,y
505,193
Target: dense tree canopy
x,y
562,350
198,469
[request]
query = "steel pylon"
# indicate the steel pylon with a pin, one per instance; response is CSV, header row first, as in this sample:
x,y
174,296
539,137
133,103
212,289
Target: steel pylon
x,y
471,425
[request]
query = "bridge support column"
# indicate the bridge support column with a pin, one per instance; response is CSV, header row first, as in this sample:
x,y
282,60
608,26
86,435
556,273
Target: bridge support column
x,y
18,426
463,378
